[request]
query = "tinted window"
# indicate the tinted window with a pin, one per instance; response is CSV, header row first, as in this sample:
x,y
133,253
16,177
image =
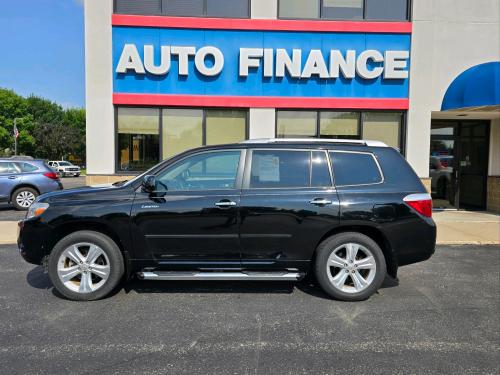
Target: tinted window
x,y
386,9
7,167
227,8
280,169
26,167
206,171
320,172
342,9
183,7
298,8
138,7
352,168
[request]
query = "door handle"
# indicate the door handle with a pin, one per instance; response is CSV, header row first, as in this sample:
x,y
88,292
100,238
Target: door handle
x,y
320,201
225,203
12,177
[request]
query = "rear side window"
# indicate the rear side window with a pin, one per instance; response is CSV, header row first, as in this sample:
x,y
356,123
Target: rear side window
x,y
280,169
26,167
355,168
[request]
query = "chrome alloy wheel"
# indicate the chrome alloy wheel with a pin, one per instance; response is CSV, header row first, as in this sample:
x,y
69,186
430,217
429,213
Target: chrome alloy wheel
x,y
351,268
25,199
83,267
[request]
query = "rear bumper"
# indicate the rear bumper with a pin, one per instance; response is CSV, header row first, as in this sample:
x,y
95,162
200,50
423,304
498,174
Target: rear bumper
x,y
416,243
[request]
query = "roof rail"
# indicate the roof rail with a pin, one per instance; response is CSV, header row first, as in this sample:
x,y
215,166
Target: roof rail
x,y
317,140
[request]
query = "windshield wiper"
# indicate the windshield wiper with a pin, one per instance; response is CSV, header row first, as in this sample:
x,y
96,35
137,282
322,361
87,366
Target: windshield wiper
x,y
119,183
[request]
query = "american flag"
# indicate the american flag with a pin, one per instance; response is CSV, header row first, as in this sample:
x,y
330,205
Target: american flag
x,y
16,131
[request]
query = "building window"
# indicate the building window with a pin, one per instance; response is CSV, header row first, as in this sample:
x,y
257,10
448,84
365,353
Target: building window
x,y
390,10
342,9
182,130
386,10
139,133
186,8
292,124
339,125
138,138
299,9
380,126
143,7
225,126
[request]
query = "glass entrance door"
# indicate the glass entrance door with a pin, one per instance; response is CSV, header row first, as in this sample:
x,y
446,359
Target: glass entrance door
x,y
473,165
442,165
458,164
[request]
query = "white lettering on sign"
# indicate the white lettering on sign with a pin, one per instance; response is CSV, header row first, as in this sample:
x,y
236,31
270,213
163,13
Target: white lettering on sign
x,y
368,64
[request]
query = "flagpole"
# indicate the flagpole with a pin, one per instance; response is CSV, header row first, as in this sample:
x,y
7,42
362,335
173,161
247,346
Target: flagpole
x,y
15,138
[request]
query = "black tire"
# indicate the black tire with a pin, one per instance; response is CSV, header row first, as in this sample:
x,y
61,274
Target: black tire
x,y
19,193
77,175
323,252
110,248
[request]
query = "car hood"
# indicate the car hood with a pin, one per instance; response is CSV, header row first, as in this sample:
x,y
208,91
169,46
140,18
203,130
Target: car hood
x,y
99,191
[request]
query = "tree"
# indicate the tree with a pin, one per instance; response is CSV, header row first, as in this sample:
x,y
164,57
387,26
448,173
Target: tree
x,y
55,141
42,126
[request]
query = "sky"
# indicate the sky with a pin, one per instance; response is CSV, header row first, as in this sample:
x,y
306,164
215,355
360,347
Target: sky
x,y
42,49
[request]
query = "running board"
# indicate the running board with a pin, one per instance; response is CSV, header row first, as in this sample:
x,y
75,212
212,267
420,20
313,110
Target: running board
x,y
201,275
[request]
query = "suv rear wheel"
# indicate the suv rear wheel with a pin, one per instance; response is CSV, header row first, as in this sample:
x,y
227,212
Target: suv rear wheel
x,y
86,266
350,266
23,198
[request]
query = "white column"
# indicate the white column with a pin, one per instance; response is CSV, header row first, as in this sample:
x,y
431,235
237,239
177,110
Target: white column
x,y
265,9
262,123
99,87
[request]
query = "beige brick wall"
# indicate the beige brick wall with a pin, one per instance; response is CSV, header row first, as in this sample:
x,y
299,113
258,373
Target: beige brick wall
x,y
105,179
493,198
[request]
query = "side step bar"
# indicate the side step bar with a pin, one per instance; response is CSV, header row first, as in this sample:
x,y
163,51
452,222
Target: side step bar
x,y
203,275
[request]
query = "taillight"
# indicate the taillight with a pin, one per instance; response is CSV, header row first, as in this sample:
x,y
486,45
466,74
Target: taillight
x,y
422,203
51,175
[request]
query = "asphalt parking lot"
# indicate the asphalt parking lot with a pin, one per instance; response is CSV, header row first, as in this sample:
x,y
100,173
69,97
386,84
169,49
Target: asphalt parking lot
x,y
442,318
8,213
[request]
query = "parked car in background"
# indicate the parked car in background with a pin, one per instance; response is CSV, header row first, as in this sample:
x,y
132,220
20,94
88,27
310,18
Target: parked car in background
x,y
347,211
65,168
23,179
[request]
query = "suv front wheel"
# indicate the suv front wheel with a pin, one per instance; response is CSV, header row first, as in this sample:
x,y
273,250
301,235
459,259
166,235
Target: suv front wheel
x,y
85,266
350,266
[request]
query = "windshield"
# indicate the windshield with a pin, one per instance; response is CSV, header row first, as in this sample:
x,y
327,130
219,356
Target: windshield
x,y
64,163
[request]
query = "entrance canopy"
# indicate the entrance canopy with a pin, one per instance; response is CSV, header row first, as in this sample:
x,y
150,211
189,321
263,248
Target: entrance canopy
x,y
478,86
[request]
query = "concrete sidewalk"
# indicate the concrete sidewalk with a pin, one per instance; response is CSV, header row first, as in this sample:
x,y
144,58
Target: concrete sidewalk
x,y
454,227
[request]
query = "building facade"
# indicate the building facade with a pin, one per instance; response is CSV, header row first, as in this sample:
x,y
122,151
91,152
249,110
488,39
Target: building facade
x,y
163,76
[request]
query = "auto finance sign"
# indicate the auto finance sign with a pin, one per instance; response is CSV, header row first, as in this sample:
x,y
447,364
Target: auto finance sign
x,y
260,63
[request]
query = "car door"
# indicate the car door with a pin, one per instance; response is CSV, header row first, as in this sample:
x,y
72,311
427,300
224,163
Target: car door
x,y
191,221
287,204
9,178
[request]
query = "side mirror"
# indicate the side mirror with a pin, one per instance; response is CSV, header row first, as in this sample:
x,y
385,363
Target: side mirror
x,y
149,183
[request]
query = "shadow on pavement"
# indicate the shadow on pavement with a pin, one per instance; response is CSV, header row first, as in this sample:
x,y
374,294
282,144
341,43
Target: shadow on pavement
x,y
39,279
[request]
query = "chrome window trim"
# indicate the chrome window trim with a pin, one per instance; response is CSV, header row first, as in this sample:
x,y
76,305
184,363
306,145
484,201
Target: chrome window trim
x,y
366,153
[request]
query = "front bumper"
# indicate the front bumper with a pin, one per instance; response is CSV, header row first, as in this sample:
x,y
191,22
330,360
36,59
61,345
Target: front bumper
x,y
31,240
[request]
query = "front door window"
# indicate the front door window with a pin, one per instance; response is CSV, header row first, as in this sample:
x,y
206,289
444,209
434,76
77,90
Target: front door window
x,y
205,171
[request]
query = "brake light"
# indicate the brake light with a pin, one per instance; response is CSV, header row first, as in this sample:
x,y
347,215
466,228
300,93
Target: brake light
x,y
422,203
51,175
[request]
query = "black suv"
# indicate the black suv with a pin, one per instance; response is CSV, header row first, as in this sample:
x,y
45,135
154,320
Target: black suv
x,y
349,212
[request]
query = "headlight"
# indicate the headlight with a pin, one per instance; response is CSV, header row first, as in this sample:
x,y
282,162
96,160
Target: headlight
x,y
36,209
